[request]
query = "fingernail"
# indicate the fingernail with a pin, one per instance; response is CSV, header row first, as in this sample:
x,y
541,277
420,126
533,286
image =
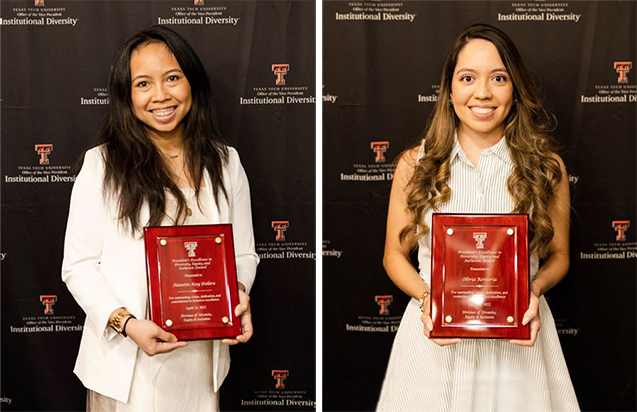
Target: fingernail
x,y
430,325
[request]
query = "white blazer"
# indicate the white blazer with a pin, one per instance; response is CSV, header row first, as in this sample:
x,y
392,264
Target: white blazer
x,y
104,268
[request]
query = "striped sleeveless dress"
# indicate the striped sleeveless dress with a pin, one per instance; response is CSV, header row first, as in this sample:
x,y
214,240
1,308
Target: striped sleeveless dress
x,y
475,375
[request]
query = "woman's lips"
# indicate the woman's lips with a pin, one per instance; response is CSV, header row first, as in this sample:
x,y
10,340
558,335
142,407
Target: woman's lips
x,y
164,114
482,112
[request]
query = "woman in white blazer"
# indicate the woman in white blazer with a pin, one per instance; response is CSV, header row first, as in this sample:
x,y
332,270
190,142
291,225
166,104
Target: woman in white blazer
x,y
160,161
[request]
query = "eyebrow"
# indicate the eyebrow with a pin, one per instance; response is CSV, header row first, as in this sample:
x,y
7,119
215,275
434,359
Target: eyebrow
x,y
499,69
142,76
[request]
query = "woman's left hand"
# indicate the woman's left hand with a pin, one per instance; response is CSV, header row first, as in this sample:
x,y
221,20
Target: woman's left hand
x,y
242,310
531,316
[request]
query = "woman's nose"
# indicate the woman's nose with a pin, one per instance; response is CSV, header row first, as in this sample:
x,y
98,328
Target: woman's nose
x,y
483,91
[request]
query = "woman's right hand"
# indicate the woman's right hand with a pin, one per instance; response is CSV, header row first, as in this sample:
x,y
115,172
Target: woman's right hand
x,y
429,325
151,338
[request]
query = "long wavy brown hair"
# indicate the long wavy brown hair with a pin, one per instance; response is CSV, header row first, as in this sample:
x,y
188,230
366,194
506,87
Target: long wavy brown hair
x,y
536,174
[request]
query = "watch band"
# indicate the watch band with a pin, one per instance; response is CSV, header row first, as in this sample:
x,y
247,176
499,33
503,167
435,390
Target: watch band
x,y
116,324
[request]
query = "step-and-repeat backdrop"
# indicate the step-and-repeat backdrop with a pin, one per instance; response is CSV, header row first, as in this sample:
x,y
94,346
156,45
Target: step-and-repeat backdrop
x,y
381,71
56,57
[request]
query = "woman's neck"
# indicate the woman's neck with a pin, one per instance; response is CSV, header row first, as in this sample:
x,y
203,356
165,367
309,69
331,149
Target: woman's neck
x,y
474,143
479,140
169,146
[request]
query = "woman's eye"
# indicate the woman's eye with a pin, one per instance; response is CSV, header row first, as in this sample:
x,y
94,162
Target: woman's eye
x,y
142,84
173,78
500,79
465,78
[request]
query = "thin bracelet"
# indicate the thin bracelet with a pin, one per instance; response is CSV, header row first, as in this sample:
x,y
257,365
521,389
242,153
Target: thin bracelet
x,y
424,296
126,323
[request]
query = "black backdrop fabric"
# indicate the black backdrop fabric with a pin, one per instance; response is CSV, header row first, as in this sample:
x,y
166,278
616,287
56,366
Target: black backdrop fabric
x,y
380,80
381,70
56,57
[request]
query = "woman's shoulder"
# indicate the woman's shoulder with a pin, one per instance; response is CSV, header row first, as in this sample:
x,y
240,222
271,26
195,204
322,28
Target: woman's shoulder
x,y
233,157
561,165
232,153
410,157
99,150
94,158
406,165
558,158
233,166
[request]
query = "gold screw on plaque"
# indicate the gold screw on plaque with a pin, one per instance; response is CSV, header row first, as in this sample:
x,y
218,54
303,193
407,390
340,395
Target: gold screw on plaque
x,y
169,322
218,240
509,232
450,231
224,319
510,319
163,242
448,318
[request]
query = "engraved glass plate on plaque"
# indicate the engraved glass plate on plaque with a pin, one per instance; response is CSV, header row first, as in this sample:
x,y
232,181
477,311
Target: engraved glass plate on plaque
x,y
192,280
479,275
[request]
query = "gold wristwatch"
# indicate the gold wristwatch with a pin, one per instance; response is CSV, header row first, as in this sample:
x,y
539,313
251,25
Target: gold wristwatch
x,y
116,324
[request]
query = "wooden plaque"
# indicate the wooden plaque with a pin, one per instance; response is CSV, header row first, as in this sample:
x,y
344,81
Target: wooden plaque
x,y
479,275
192,280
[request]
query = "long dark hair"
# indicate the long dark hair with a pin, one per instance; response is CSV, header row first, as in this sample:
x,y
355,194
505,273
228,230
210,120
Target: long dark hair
x,y
536,174
135,172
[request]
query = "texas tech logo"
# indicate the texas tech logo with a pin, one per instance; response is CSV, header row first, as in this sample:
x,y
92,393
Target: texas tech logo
x,y
190,247
198,2
48,301
384,301
279,377
280,70
380,148
621,226
39,3
479,237
623,68
44,150
280,226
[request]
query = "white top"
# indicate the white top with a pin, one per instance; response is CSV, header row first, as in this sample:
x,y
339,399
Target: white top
x,y
104,268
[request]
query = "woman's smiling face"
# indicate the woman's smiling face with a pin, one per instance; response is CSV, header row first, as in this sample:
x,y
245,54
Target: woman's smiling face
x,y
481,90
160,92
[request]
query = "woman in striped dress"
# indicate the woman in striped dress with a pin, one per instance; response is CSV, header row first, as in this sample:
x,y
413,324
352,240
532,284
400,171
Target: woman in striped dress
x,y
487,149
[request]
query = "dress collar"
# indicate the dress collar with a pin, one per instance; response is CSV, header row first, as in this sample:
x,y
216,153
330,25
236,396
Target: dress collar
x,y
500,149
